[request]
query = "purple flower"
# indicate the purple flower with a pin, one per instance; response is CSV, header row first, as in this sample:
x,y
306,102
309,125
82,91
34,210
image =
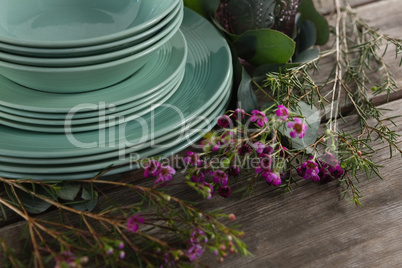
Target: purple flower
x,y
224,191
272,178
194,239
220,177
191,158
233,171
224,121
194,252
268,150
264,163
65,257
197,176
259,147
336,171
299,129
210,190
282,113
132,223
238,114
324,175
309,170
122,255
259,118
152,168
216,146
120,245
166,174
244,150
109,251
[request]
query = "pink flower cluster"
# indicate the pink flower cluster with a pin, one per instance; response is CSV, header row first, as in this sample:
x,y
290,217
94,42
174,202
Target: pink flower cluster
x,y
324,169
199,171
163,174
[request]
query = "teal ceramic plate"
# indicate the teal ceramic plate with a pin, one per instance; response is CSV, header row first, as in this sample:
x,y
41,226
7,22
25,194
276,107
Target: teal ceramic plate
x,y
142,107
168,31
101,110
197,123
174,147
206,74
78,79
95,49
88,124
75,23
164,66
156,147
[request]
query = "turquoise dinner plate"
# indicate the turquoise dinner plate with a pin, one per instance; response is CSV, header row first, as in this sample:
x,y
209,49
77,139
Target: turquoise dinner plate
x,y
165,33
207,71
87,124
196,123
98,122
167,63
156,147
84,23
108,108
189,140
94,49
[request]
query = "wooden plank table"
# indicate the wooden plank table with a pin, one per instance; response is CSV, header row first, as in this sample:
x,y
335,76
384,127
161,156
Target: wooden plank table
x,y
313,226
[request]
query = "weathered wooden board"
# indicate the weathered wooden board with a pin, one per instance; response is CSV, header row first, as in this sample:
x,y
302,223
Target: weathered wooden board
x,y
327,6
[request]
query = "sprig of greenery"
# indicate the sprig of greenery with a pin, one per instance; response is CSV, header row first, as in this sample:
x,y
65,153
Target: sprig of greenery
x,y
359,51
161,239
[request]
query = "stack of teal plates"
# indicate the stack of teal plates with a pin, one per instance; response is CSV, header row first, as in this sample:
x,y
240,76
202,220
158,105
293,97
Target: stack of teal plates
x,y
166,106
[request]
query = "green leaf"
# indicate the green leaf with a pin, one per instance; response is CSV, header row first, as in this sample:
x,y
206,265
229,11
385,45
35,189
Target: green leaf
x,y
88,199
246,97
308,12
84,205
307,55
68,190
32,204
264,46
312,119
307,36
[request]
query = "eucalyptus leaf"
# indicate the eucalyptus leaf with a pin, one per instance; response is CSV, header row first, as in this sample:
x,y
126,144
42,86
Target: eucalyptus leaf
x,y
307,36
68,190
85,205
311,117
246,97
31,204
88,193
264,46
88,199
308,12
307,55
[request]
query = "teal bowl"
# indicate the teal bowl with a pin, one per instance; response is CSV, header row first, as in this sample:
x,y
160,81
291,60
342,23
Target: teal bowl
x,y
76,23
82,78
166,33
37,52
